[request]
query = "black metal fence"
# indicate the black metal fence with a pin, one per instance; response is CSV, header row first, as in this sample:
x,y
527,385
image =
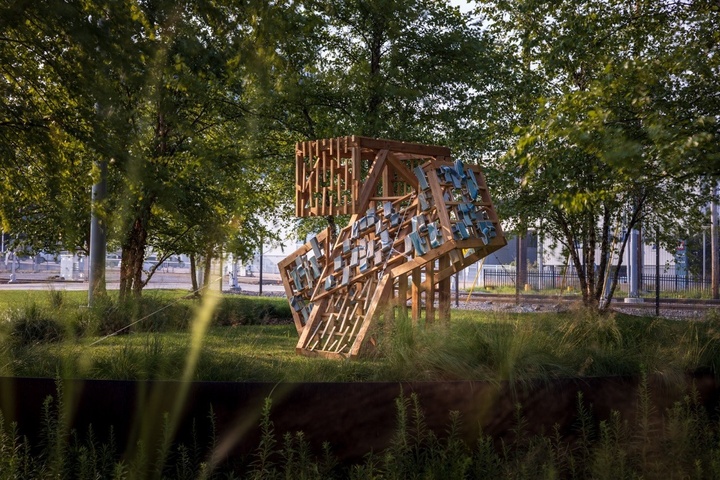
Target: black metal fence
x,y
671,285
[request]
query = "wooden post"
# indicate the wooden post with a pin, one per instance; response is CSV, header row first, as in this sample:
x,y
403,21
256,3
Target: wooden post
x,y
402,295
415,290
389,310
430,292
444,287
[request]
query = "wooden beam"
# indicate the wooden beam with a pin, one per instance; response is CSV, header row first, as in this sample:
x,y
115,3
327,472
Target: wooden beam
x,y
370,185
312,324
442,212
403,171
380,298
387,190
403,147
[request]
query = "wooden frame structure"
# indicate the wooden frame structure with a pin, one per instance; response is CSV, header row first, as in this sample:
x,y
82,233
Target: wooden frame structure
x,y
417,217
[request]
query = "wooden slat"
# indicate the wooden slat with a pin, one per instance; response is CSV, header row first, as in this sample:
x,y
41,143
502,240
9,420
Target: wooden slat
x,y
441,210
316,167
387,187
356,174
379,298
312,324
340,171
348,186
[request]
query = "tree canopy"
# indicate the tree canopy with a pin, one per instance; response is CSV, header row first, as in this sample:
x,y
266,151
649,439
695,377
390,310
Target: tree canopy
x,y
612,139
594,116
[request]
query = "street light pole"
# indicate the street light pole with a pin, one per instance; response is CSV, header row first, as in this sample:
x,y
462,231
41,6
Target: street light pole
x,y
715,280
260,283
704,276
98,245
13,277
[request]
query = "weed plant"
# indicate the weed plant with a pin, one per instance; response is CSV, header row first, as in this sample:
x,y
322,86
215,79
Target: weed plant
x,y
32,324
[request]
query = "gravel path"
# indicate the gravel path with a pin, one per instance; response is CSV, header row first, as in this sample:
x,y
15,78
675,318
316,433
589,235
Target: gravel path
x,y
670,313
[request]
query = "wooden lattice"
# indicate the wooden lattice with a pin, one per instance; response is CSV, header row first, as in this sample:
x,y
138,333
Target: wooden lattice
x,y
417,218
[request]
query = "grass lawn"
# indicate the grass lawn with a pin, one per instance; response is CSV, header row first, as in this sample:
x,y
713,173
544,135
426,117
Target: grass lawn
x,y
252,339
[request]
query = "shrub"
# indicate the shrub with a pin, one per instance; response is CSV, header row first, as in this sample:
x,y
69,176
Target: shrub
x,y
241,310
106,317
110,315
33,324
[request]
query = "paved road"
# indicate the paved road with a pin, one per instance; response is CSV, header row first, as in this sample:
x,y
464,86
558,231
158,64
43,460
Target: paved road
x,y
161,280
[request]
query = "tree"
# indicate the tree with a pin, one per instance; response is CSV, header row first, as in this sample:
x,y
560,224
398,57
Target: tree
x,y
396,69
151,88
591,155
45,168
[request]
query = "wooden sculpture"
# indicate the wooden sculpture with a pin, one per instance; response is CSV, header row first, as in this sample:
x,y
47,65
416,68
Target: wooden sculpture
x,y
416,218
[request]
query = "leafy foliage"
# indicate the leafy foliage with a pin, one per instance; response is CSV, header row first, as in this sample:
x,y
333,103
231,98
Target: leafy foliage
x,y
592,117
591,156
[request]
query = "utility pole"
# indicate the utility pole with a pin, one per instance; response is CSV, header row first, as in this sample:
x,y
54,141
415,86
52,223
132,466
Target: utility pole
x,y
634,268
715,273
13,266
704,273
98,244
657,273
517,269
260,283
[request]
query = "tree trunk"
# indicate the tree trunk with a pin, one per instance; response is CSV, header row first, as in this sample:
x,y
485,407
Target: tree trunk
x,y
133,255
521,261
616,274
589,255
193,274
570,243
605,255
125,277
207,269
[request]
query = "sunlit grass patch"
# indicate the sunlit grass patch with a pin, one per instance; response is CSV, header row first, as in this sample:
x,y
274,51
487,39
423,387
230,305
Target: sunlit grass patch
x,y
475,345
